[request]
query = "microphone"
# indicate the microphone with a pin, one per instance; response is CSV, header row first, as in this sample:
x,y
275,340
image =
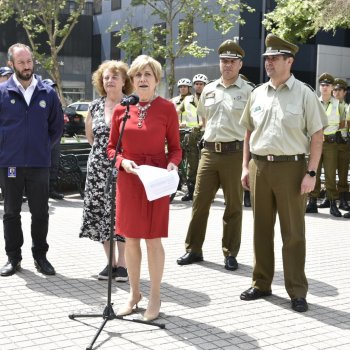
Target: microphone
x,y
130,100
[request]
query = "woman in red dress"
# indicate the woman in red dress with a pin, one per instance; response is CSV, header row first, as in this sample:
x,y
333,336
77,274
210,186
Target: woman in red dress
x,y
153,121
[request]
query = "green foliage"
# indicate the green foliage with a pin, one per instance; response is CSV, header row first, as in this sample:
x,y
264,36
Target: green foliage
x,y
178,38
41,19
298,21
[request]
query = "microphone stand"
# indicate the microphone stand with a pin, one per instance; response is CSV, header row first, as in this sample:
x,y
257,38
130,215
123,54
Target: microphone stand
x,y
108,312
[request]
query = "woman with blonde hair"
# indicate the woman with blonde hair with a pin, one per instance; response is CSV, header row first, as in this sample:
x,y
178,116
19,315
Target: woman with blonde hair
x,y
153,121
112,83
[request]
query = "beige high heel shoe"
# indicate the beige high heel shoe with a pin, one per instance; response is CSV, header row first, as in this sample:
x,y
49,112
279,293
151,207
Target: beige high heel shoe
x,y
147,316
128,308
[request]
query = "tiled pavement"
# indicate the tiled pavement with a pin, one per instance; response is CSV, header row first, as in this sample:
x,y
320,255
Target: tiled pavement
x,y
200,303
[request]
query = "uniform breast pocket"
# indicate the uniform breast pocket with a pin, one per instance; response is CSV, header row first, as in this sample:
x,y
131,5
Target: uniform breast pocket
x,y
293,116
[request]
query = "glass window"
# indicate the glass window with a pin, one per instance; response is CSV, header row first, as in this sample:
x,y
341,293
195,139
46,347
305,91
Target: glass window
x,y
116,5
97,7
115,51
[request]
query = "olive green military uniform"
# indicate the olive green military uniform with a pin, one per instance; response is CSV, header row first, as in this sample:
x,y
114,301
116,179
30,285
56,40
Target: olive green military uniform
x,y
281,122
221,159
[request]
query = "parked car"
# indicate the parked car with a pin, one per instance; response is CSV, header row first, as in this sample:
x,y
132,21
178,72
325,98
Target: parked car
x,y
81,107
74,122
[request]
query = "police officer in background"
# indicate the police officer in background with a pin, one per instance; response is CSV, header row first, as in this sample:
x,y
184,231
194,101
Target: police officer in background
x,y
191,139
332,137
280,117
184,85
339,92
55,160
5,73
220,106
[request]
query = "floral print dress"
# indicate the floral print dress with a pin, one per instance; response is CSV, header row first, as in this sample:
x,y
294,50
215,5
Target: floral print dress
x,y
97,205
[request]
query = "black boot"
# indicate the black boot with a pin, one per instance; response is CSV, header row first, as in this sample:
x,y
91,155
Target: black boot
x,y
343,204
53,193
246,199
325,203
312,205
334,210
189,195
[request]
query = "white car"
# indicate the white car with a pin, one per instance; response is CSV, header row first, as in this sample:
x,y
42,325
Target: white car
x,y
81,107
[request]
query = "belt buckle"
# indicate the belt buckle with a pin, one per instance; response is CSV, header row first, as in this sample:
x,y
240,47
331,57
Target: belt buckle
x,y
270,158
217,146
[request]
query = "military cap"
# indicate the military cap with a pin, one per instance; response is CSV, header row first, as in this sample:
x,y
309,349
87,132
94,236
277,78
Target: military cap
x,y
230,49
277,46
326,78
5,71
340,83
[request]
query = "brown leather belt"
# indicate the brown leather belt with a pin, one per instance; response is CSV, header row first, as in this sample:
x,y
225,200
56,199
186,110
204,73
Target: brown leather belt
x,y
272,158
224,147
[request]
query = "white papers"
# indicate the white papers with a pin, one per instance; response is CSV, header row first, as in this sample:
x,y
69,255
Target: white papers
x,y
158,182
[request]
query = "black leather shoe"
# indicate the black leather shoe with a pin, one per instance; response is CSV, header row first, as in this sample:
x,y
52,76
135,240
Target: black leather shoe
x,y
311,207
325,203
299,304
10,268
334,209
231,263
187,197
189,258
44,266
254,293
347,215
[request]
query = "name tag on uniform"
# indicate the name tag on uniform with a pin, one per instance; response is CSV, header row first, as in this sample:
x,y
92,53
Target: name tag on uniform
x,y
11,171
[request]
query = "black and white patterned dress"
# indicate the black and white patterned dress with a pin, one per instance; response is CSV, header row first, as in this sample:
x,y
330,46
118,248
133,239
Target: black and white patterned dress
x,y
97,205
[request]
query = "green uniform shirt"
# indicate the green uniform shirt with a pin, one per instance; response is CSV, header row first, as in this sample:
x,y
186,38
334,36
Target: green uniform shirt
x,y
222,108
282,120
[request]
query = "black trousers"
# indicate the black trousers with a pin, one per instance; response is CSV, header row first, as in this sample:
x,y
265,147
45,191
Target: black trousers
x,y
35,182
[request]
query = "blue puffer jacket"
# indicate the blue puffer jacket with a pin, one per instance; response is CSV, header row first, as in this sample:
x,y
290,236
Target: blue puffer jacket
x,y
27,133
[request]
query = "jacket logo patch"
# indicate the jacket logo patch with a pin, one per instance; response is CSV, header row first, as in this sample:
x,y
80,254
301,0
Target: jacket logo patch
x,y
13,101
210,95
42,104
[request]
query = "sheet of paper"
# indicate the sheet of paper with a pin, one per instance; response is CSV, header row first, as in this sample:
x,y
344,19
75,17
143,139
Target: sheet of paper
x,y
158,182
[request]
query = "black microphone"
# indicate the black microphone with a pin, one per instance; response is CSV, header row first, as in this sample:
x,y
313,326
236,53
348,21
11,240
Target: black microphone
x,y
130,100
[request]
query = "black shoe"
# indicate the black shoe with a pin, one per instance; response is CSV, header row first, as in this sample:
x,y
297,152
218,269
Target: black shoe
x,y
347,215
103,275
299,304
231,263
187,197
10,268
254,293
189,258
44,266
246,199
312,206
122,274
325,203
55,195
334,209
343,203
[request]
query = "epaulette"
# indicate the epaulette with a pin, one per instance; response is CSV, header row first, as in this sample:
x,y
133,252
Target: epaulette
x,y
256,86
310,87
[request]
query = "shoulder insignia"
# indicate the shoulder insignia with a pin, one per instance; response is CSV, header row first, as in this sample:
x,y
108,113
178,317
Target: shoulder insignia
x,y
256,86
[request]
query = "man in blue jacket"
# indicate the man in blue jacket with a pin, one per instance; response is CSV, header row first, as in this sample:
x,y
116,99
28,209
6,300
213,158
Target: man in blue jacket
x,y
31,122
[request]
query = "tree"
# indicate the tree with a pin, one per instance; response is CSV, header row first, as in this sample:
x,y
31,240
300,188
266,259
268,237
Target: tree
x,y
43,19
299,20
162,42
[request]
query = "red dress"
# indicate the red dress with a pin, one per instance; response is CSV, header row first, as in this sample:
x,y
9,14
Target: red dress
x,y
136,217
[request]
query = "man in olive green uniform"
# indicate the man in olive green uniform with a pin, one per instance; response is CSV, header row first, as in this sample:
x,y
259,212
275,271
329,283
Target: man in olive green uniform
x,y
339,92
347,215
191,139
330,150
220,107
280,117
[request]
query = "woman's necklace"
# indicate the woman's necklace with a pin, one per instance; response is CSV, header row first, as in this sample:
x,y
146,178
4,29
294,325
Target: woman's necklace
x,y
142,112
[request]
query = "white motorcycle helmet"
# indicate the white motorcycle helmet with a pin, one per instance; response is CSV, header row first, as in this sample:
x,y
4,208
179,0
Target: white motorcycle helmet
x,y
200,77
184,82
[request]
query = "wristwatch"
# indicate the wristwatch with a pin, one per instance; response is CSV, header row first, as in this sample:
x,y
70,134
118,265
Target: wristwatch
x,y
311,173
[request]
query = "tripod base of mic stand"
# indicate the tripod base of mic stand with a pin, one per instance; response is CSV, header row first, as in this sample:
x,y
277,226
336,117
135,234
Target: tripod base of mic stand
x,y
109,314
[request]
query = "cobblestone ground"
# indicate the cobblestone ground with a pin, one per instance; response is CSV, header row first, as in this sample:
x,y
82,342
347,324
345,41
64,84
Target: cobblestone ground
x,y
201,308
